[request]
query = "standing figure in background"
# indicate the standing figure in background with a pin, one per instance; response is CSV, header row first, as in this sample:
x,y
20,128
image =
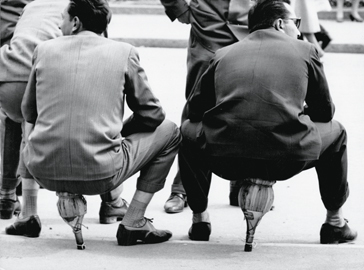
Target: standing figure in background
x,y
306,10
39,22
214,25
354,14
10,11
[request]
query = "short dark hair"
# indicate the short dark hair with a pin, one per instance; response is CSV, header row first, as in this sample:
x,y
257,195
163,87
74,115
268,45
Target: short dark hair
x,y
263,14
95,15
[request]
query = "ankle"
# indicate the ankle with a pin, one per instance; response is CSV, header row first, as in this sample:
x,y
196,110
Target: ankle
x,y
119,202
134,223
201,217
335,218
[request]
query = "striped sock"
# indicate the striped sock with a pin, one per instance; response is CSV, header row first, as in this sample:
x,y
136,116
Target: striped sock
x,y
30,197
134,217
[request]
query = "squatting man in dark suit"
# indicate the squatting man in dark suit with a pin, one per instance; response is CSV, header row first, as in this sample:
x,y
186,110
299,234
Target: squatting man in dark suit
x,y
263,110
76,140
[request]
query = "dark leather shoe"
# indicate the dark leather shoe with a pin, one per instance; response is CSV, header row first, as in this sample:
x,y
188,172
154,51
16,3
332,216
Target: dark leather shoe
x,y
200,231
109,214
29,227
334,235
128,236
175,203
8,208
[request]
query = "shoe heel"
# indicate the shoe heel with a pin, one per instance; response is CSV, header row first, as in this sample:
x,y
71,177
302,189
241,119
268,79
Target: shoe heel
x,y
125,237
5,214
328,238
7,209
108,220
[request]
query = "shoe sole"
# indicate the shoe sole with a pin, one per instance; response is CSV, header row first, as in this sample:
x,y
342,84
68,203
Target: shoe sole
x,y
333,242
110,220
200,237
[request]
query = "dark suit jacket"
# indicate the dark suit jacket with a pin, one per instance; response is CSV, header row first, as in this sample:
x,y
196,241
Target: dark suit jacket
x,y
210,31
251,99
75,97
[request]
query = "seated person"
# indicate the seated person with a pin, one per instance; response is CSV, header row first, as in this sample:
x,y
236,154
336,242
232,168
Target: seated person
x,y
247,118
74,103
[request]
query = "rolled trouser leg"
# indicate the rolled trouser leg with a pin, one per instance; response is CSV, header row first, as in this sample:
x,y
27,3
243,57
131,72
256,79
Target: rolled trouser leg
x,y
255,199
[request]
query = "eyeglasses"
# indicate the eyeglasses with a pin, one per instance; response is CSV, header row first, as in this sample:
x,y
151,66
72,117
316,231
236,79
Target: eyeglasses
x,y
296,21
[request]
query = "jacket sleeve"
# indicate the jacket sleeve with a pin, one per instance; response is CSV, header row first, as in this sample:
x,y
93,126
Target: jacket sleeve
x,y
174,8
29,102
319,105
147,110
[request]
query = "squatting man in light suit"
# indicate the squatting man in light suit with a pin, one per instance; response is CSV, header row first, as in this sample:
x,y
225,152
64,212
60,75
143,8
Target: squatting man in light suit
x,y
39,21
246,118
74,103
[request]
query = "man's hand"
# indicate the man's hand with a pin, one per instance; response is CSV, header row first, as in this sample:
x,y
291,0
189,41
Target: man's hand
x,y
185,17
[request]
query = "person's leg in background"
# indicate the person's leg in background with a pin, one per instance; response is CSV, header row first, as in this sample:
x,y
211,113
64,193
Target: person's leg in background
x,y
113,207
28,222
10,141
178,199
354,13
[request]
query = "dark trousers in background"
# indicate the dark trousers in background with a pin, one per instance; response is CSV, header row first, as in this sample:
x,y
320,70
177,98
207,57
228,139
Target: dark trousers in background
x,y
10,142
11,94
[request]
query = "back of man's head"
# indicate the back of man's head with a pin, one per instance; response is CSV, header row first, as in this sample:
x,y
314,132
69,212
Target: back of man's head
x,y
264,12
95,15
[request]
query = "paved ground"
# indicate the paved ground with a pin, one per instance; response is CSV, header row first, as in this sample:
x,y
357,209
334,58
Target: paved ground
x,y
287,238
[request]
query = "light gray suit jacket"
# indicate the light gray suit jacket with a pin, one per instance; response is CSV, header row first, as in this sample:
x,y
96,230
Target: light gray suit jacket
x,y
75,97
39,21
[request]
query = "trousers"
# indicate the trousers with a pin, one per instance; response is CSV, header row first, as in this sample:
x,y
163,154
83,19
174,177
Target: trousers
x,y
150,153
196,167
11,119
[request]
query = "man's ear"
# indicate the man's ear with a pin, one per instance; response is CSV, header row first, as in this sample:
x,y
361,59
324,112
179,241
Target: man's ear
x,y
278,25
77,25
